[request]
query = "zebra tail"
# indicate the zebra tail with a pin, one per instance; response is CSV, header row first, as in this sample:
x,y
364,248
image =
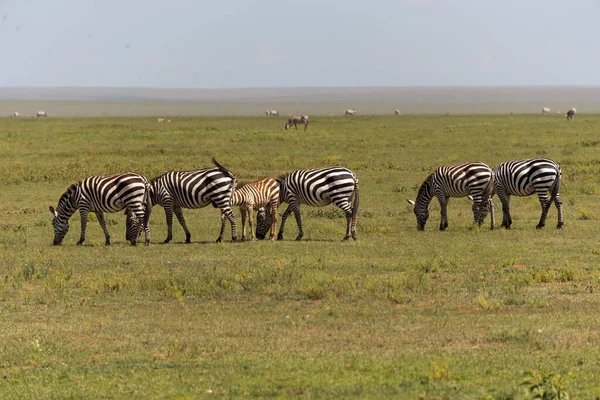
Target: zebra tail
x,y
229,174
356,201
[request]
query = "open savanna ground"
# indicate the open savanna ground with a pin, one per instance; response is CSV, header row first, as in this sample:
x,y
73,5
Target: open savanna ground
x,y
463,313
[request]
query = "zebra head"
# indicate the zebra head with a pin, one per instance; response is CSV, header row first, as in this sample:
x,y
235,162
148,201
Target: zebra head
x,y
132,224
421,205
60,217
264,220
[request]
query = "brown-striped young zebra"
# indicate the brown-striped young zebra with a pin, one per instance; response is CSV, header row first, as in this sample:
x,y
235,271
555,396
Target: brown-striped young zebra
x,y
297,119
100,194
475,179
319,187
250,196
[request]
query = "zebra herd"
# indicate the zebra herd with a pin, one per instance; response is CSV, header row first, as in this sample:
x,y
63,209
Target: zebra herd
x,y
480,183
176,190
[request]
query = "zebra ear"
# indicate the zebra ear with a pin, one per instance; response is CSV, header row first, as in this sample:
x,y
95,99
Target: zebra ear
x,y
410,202
53,211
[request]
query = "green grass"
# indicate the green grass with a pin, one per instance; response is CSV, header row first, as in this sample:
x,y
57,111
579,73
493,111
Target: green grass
x,y
399,313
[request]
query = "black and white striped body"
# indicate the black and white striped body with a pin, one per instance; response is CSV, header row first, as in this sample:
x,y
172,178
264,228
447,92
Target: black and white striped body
x,y
571,113
100,194
295,120
474,179
252,196
524,178
194,189
350,111
318,188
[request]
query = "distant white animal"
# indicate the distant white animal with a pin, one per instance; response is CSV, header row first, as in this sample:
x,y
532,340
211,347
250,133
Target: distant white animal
x,y
41,114
160,119
546,110
297,119
571,113
169,121
16,114
274,113
350,111
397,112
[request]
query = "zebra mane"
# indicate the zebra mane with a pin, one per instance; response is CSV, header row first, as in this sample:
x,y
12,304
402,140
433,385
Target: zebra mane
x,y
68,194
281,177
424,186
223,169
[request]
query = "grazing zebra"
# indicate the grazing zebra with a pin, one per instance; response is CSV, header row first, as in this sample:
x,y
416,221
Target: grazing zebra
x,y
295,120
571,113
350,111
475,179
16,114
41,114
193,189
317,188
397,112
524,178
262,194
271,113
101,194
546,110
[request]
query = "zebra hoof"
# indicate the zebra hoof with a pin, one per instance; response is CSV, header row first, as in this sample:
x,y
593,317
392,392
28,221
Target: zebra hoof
x,y
354,237
80,243
218,240
298,238
147,243
345,238
280,237
167,240
539,226
188,241
560,225
233,239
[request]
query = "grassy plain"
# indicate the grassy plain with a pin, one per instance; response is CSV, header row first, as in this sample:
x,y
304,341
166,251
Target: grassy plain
x,y
397,314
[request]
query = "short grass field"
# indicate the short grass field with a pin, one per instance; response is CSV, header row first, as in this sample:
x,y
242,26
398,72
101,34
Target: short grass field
x,y
468,313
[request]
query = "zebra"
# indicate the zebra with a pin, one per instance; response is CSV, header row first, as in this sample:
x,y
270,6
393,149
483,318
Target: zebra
x,y
16,114
397,112
319,187
475,179
571,113
350,111
41,114
297,119
193,189
258,195
525,177
546,110
101,194
271,113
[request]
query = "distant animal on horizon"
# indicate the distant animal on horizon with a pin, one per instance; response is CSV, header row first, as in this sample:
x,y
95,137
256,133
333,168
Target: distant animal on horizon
x,y
168,121
512,113
350,111
397,112
475,179
41,114
273,113
295,120
16,114
160,119
571,113
546,110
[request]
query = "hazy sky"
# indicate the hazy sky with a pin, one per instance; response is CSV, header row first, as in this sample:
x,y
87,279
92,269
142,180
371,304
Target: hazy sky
x,y
271,43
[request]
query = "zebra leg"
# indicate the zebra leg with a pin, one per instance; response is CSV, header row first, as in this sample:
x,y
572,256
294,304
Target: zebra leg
x,y
491,210
558,204
286,213
84,216
298,216
348,225
100,216
179,214
250,222
506,219
229,214
169,215
243,212
545,207
146,223
443,211
273,212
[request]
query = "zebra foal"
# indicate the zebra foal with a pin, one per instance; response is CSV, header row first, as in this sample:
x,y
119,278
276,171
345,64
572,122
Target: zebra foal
x,y
475,179
100,194
258,195
524,178
319,187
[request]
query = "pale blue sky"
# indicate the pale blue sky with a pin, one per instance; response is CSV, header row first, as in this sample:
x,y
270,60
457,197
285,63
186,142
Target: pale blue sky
x,y
272,43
